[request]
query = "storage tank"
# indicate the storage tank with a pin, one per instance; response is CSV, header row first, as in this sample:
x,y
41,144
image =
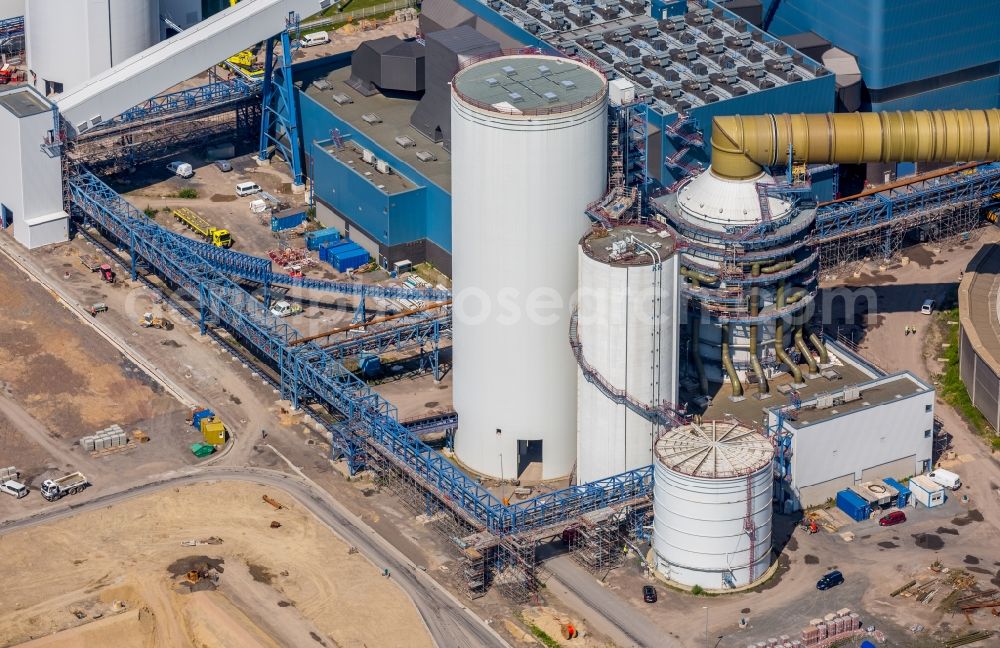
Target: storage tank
x,y
625,345
713,485
529,153
70,41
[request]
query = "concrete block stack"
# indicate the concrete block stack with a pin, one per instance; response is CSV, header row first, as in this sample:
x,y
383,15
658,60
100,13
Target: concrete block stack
x,y
110,437
831,628
10,472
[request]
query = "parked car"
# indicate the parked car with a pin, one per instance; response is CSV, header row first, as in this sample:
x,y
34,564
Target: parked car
x,y
15,488
832,579
892,519
247,188
946,478
649,593
182,169
928,306
315,38
224,165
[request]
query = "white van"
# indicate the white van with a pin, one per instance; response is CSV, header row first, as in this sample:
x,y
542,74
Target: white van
x,y
247,188
182,169
315,38
17,489
928,306
946,478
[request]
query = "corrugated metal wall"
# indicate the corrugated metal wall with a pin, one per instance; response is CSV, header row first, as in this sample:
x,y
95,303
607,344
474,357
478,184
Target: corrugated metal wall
x,y
980,380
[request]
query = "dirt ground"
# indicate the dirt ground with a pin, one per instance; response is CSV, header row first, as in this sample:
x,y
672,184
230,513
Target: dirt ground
x,y
294,585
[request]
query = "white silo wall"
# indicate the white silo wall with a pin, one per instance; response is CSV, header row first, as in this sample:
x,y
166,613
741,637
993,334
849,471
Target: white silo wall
x,y
520,187
699,531
71,41
11,9
630,339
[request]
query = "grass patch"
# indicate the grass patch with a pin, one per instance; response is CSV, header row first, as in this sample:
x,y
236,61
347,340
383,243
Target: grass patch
x,y
543,636
188,193
150,212
952,389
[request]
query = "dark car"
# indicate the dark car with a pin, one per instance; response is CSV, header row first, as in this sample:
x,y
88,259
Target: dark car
x,y
224,165
649,593
896,517
832,579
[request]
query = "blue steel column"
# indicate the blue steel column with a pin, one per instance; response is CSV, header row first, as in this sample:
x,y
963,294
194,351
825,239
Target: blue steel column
x,y
279,112
266,98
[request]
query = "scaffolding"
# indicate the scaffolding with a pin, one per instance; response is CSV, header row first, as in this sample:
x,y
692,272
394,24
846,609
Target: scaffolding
x,y
597,541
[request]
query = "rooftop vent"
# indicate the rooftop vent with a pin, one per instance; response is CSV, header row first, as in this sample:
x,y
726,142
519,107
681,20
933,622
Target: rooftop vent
x,y
405,141
342,98
567,83
321,84
544,69
426,156
371,118
491,82
508,70
550,97
516,97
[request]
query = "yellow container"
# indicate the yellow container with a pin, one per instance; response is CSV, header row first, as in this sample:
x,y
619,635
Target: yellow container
x,y
213,430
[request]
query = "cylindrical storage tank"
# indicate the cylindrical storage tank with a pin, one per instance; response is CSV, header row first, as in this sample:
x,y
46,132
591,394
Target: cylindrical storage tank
x,y
529,153
712,485
71,41
626,341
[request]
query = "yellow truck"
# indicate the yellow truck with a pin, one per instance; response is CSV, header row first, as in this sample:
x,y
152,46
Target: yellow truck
x,y
214,235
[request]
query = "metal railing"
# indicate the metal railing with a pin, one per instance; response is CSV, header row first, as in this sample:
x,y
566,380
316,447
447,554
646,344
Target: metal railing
x,y
365,12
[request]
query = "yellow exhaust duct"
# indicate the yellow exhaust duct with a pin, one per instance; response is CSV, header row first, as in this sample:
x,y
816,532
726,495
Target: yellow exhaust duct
x,y
741,146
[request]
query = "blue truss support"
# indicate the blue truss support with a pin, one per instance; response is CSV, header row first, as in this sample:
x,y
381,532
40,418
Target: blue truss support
x,y
209,95
11,27
280,125
839,219
369,420
405,336
360,316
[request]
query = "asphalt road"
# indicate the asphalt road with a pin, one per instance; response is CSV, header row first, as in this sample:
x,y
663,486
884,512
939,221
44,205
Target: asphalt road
x,y
449,622
608,612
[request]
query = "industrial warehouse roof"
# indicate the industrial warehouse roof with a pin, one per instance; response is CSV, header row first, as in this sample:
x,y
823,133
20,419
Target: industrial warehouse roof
x,y
705,56
870,394
715,449
22,102
529,84
394,113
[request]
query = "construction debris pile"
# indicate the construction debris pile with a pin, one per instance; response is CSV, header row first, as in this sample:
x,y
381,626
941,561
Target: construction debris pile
x,y
288,256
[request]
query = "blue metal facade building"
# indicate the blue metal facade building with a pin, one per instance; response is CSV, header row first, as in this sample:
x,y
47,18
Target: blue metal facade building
x,y
424,213
917,54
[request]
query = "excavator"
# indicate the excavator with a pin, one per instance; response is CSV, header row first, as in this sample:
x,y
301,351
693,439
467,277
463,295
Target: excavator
x,y
148,321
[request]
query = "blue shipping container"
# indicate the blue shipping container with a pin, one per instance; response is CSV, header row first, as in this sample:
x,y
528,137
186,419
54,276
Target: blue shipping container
x,y
328,251
350,259
904,492
854,505
200,414
316,239
285,221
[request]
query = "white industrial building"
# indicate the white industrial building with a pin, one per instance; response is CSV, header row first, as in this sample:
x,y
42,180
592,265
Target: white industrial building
x,y
864,432
529,135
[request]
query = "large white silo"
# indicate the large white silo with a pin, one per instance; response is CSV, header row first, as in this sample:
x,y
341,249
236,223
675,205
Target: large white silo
x,y
626,345
712,505
70,41
529,153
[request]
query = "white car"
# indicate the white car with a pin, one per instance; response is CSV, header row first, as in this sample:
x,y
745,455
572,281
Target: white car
x,y
284,309
316,38
17,489
182,169
247,188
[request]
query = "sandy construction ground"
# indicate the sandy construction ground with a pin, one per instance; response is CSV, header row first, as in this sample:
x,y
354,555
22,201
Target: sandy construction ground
x,y
122,570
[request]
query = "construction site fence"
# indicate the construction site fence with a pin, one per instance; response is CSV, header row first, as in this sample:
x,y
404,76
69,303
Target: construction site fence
x,y
366,12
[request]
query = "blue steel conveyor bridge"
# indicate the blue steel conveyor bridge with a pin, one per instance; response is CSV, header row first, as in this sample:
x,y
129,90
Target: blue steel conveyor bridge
x,y
201,273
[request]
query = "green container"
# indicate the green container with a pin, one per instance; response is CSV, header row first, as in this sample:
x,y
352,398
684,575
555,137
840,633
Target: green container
x,y
202,449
